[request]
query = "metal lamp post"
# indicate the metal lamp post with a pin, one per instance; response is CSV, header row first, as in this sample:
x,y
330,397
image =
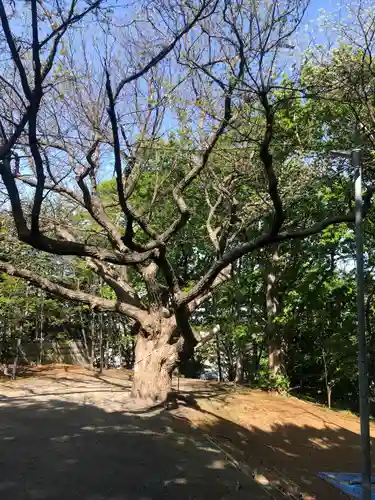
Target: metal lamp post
x,y
364,407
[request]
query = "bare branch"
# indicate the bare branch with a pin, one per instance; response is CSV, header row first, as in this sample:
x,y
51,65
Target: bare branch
x,y
56,187
213,233
267,160
222,277
124,292
201,14
262,241
72,19
200,164
83,297
14,52
62,247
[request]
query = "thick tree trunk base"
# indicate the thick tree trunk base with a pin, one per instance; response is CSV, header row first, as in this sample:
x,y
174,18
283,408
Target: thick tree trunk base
x,y
152,381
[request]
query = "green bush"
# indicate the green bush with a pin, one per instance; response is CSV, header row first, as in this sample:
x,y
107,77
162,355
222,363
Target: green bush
x,y
270,382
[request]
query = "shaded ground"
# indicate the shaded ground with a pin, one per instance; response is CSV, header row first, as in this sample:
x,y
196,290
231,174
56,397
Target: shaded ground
x,y
282,440
74,437
68,433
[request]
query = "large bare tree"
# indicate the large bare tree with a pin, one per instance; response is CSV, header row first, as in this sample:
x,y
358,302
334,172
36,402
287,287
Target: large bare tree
x,y
90,92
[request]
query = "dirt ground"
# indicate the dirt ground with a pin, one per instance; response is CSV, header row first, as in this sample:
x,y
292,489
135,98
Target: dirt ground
x,y
283,441
210,447
66,434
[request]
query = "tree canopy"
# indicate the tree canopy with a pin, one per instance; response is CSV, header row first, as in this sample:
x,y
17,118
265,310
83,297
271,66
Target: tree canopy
x,y
182,153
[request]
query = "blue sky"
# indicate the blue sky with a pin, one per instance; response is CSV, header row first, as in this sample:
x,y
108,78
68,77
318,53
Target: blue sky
x,y
328,5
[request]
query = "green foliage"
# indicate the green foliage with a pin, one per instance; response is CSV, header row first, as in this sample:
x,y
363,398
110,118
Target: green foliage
x,y
271,382
306,314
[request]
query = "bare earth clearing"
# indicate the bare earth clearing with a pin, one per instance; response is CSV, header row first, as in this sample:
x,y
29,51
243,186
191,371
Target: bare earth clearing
x,y
67,433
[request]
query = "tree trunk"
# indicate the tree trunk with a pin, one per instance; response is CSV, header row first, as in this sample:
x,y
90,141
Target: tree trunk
x,y
93,342
101,354
239,368
256,360
275,357
41,348
15,362
329,396
218,357
326,378
154,363
41,345
83,332
275,361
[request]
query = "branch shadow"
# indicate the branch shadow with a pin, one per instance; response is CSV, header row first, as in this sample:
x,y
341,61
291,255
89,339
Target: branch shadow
x,y
204,389
33,394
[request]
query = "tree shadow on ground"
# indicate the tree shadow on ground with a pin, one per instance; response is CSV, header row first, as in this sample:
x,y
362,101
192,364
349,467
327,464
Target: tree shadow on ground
x,y
57,450
286,457
194,389
60,450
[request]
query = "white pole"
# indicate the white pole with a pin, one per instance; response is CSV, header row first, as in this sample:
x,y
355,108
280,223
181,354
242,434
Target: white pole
x,y
362,347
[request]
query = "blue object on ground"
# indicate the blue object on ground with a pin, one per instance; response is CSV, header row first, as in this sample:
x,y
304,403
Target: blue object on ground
x,y
349,483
